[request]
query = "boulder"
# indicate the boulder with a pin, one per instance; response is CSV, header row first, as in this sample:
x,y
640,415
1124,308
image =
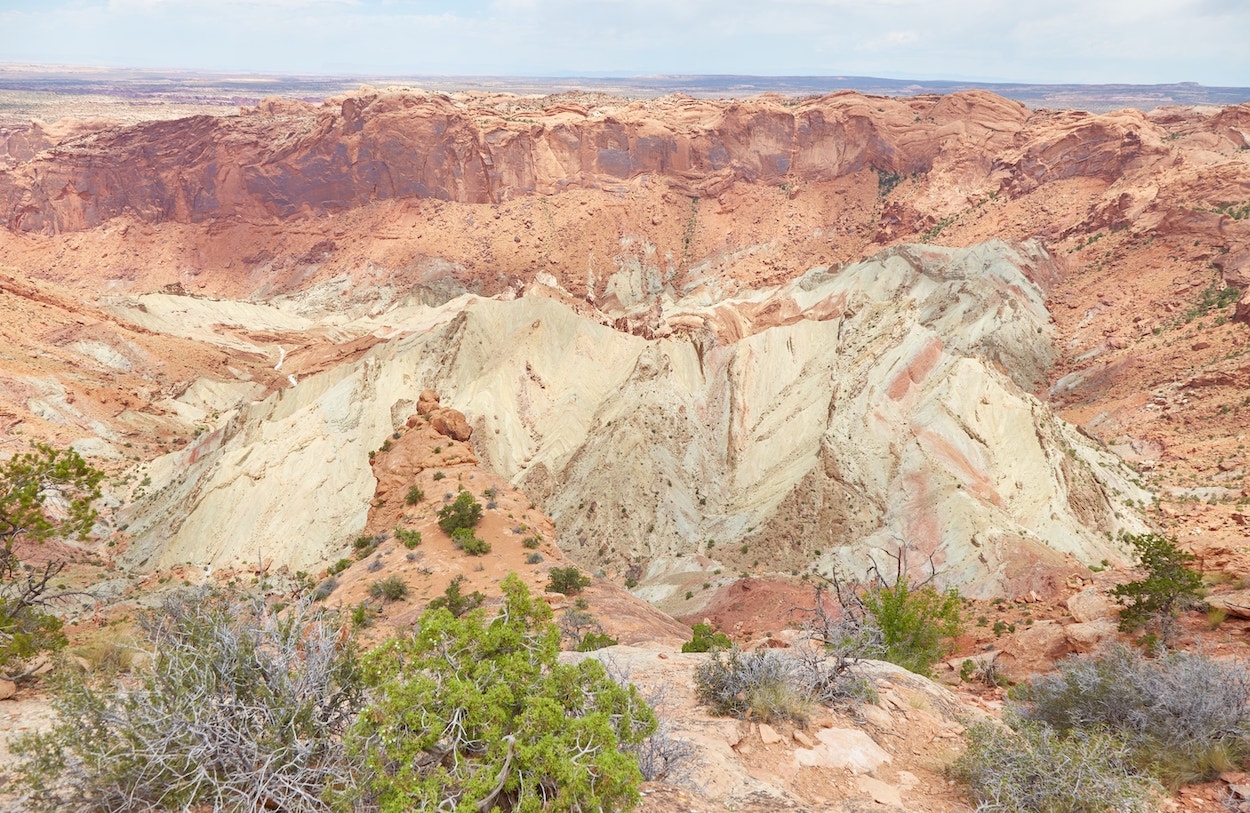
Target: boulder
x,y
1090,635
1091,604
1236,603
846,748
1033,649
769,735
1242,313
450,422
427,402
882,793
7,689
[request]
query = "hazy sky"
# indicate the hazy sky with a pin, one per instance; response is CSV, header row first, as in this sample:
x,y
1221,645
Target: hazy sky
x,y
1089,41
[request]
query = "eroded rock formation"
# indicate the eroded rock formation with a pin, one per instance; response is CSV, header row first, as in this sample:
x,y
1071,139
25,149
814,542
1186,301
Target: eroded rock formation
x,y
850,413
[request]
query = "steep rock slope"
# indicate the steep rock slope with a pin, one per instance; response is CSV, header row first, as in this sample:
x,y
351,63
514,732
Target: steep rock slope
x,y
283,159
853,412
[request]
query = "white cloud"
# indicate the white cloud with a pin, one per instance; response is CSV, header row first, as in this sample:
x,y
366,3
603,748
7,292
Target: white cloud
x,y
1055,41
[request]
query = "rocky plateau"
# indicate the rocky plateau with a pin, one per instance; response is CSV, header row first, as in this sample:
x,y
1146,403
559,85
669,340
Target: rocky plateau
x,y
706,350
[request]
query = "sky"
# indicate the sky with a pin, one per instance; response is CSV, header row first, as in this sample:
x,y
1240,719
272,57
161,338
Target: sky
x,y
1032,41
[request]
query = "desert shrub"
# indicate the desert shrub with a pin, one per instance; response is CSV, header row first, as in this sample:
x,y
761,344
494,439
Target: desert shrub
x,y
28,480
1184,715
847,636
438,475
986,673
415,495
112,650
365,545
240,709
534,558
462,513
475,712
531,542
1169,585
567,580
409,539
830,680
1034,769
322,591
467,541
392,588
456,602
916,622
339,566
583,630
764,684
596,640
362,615
704,639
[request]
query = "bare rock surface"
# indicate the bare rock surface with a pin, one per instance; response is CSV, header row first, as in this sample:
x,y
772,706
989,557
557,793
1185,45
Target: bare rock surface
x,y
836,413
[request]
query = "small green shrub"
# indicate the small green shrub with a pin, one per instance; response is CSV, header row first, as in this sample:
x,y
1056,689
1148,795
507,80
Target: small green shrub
x,y
916,623
415,495
438,475
463,512
456,602
362,615
1169,585
365,545
409,539
467,541
392,588
339,566
596,640
567,580
1033,769
705,639
534,558
531,542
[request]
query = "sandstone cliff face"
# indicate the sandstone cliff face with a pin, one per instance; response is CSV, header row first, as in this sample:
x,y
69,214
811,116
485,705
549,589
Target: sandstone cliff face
x,y
277,161
848,414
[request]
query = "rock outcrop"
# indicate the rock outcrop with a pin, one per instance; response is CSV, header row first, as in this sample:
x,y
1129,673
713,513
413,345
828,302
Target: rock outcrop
x,y
848,414
276,161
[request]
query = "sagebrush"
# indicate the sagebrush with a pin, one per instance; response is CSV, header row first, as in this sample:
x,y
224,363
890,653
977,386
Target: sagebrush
x,y
1184,716
764,684
241,708
1035,769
